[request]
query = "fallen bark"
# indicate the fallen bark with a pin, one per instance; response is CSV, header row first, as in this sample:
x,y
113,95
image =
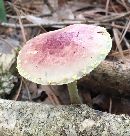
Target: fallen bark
x,y
111,77
36,119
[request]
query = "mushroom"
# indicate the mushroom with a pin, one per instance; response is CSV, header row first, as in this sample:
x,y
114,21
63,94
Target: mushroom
x,y
63,56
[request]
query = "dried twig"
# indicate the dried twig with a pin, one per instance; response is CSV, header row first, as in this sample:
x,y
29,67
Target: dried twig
x,y
125,31
27,89
21,25
117,40
44,24
124,39
110,106
107,6
119,26
126,52
18,91
112,17
122,3
51,94
127,44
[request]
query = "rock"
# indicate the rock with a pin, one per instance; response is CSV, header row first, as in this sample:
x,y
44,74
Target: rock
x,y
8,49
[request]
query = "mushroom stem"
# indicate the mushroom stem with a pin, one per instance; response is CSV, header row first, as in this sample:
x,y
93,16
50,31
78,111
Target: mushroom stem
x,y
73,93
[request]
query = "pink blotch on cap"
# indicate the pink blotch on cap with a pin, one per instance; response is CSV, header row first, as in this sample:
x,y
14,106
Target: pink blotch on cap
x,y
64,55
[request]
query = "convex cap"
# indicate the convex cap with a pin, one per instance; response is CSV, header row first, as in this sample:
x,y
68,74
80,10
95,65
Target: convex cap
x,y
64,55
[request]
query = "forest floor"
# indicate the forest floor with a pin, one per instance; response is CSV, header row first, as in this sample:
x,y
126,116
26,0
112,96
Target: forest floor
x,y
26,19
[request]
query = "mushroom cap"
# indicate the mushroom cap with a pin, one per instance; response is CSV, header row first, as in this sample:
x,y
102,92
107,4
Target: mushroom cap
x,y
65,55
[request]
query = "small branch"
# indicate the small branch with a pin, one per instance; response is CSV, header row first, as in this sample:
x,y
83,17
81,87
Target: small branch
x,y
110,106
117,40
125,31
112,17
44,24
19,89
107,6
